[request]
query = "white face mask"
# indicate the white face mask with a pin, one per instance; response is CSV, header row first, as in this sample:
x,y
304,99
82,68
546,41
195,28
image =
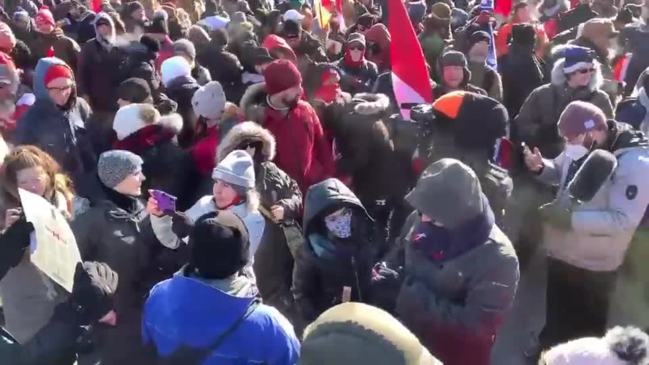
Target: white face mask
x,y
575,151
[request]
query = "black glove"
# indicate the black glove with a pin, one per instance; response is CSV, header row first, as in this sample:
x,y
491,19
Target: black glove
x,y
181,225
92,294
13,244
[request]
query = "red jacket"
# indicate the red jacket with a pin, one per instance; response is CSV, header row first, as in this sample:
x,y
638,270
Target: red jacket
x,y
303,152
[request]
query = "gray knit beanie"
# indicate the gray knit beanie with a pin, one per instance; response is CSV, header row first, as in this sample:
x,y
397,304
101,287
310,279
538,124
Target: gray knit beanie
x,y
185,47
237,169
209,100
116,165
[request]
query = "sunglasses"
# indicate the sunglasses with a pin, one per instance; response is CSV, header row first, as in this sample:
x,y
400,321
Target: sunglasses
x,y
586,70
356,48
61,89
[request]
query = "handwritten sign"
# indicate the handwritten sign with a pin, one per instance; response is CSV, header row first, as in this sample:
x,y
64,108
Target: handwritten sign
x,y
56,253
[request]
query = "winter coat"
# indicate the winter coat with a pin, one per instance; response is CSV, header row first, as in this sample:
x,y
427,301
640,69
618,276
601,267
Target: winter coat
x,y
207,140
303,152
603,227
187,311
326,265
254,221
636,39
61,133
380,35
357,80
64,47
540,129
166,166
504,35
487,79
82,29
364,147
280,242
201,75
140,63
99,74
181,90
521,73
456,307
123,240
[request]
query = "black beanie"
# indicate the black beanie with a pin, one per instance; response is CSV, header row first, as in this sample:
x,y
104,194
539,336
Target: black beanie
x,y
291,28
135,90
523,34
219,245
152,45
158,26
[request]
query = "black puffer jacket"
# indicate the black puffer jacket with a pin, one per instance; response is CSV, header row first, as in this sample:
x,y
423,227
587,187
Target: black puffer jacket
x,y
274,259
326,265
521,73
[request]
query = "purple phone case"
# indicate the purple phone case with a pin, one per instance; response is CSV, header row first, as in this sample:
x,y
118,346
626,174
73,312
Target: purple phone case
x,y
166,202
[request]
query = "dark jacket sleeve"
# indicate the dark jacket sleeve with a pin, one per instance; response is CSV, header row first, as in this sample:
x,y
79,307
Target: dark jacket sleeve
x,y
488,297
305,286
289,195
53,344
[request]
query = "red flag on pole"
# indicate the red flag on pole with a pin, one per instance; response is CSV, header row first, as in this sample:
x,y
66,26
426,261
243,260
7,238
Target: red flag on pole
x,y
96,6
410,80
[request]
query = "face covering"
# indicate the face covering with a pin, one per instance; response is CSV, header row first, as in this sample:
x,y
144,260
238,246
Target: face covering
x,y
340,224
354,58
575,152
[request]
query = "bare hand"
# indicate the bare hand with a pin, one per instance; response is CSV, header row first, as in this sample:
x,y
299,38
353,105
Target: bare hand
x,y
153,208
533,160
278,212
11,216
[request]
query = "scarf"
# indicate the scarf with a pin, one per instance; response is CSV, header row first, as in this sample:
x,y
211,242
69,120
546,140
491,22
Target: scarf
x,y
441,244
125,202
351,63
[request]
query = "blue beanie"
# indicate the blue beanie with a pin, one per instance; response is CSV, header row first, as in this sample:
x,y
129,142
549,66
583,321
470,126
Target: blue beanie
x,y
577,58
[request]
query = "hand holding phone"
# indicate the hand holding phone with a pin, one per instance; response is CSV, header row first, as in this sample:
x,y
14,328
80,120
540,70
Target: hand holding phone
x,y
166,202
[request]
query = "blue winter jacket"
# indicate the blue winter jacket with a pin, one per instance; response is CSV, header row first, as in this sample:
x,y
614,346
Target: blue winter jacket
x,y
186,311
59,132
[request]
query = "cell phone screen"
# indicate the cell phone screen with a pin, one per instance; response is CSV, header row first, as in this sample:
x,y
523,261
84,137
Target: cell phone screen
x,y
166,202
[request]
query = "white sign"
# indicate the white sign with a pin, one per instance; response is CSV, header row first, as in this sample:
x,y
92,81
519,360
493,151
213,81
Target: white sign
x,y
56,253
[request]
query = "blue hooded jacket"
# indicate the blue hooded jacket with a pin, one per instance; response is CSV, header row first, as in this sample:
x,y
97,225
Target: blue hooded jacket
x,y
186,311
58,131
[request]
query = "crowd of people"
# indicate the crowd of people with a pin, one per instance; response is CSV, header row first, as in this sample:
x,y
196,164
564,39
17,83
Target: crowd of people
x,y
244,187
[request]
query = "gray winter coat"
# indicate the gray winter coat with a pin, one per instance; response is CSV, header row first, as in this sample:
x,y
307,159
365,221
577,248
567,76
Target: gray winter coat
x,y
536,123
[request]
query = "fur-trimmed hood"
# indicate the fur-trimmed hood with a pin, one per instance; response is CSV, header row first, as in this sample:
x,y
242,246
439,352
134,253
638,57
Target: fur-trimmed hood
x,y
370,104
558,78
151,135
247,131
253,102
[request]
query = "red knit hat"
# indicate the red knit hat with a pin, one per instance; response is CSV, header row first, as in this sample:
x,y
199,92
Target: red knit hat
x,y
281,75
58,71
44,16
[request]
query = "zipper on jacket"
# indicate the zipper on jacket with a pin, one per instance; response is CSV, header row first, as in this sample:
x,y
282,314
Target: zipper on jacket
x,y
358,283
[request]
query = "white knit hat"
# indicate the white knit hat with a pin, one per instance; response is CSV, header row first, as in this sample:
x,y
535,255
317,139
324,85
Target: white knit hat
x,y
237,169
209,100
174,67
133,117
620,346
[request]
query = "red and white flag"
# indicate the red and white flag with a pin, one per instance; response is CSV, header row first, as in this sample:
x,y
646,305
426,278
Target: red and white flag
x,y
410,80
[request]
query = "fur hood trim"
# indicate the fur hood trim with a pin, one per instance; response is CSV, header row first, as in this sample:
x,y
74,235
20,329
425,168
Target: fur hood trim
x,y
559,78
370,104
244,132
249,102
172,122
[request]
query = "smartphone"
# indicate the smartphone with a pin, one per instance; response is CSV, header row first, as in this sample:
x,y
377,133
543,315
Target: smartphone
x,y
166,202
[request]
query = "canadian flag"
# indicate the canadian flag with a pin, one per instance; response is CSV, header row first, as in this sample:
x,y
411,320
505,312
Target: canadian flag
x,y
410,80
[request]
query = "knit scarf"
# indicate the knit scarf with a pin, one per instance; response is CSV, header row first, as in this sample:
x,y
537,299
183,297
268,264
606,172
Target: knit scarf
x,y
441,244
